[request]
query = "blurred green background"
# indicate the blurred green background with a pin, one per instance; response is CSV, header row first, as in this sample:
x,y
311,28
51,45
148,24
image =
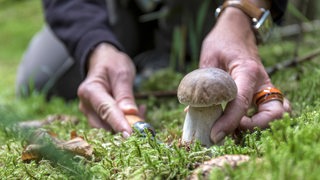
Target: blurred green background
x,y
289,149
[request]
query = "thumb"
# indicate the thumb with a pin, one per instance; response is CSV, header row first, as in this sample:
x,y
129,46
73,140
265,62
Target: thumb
x,y
237,108
123,94
128,106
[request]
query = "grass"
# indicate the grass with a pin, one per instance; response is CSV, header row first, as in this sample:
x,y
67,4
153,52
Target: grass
x,y
288,150
18,22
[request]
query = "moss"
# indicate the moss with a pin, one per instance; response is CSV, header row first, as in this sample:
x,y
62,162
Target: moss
x,y
288,150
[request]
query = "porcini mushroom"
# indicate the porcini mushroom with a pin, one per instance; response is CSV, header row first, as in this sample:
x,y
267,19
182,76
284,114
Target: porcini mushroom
x,y
204,90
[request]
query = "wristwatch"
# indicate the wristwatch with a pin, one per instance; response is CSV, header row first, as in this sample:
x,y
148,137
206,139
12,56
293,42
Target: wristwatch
x,y
262,22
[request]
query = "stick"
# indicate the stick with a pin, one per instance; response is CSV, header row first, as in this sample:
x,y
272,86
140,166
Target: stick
x,y
295,29
292,62
270,71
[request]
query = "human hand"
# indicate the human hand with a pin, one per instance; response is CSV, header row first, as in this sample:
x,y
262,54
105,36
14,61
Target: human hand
x,y
231,46
106,95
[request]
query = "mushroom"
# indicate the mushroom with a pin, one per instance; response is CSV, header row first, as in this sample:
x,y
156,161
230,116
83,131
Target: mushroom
x,y
204,91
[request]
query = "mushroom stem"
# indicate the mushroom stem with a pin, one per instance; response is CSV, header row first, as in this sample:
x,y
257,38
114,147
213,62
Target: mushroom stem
x,y
198,123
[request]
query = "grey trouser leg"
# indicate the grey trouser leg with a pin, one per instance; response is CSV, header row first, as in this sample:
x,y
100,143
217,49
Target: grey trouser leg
x,y
46,67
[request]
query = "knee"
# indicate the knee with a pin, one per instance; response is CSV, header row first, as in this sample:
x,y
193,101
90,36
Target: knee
x,y
28,82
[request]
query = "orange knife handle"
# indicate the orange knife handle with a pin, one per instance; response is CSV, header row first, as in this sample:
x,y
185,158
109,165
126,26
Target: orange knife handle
x,y
139,124
132,119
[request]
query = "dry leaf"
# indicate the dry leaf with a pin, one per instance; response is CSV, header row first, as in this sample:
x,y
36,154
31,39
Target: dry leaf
x,y
219,162
74,134
77,146
42,138
31,152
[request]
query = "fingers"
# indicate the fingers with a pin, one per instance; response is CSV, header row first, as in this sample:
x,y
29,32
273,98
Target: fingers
x,y
93,119
287,105
101,108
228,122
106,95
248,84
122,83
267,112
237,108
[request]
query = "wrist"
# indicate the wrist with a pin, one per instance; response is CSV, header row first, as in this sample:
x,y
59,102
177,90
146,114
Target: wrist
x,y
256,11
102,47
234,21
100,51
235,18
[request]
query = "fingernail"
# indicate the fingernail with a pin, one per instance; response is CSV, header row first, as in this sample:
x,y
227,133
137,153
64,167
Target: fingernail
x,y
125,134
218,137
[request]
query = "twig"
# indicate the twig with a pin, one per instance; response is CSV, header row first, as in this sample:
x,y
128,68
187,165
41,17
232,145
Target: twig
x,y
295,29
292,62
270,71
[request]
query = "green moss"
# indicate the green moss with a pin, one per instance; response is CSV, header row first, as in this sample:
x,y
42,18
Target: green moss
x,y
288,150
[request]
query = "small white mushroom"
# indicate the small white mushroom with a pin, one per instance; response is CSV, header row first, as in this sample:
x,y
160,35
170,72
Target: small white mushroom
x,y
204,90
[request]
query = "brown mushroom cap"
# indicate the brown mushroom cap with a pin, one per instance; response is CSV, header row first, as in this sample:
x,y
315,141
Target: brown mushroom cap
x,y
205,87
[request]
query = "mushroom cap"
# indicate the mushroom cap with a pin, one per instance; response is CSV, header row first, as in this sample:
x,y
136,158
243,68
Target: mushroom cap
x,y
206,87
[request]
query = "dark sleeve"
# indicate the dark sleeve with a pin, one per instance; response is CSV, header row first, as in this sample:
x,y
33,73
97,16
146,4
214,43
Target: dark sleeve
x,y
278,8
80,25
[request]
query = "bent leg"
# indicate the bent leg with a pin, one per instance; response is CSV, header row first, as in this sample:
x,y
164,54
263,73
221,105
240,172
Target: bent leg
x,y
43,65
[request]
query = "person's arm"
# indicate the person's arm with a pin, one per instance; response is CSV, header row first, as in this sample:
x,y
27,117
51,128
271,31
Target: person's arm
x,y
106,94
80,24
231,45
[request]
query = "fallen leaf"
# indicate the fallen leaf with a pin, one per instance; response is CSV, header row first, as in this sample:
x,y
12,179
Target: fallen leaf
x,y
42,136
41,139
74,134
31,152
77,146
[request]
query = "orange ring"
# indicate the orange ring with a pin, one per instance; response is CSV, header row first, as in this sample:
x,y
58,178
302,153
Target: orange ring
x,y
266,95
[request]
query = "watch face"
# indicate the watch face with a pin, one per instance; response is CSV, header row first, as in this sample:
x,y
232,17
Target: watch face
x,y
264,26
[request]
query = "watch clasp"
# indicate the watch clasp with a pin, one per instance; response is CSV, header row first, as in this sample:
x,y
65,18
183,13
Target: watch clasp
x,y
263,26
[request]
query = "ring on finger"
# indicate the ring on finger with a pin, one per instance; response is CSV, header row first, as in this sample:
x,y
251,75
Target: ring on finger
x,y
266,95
